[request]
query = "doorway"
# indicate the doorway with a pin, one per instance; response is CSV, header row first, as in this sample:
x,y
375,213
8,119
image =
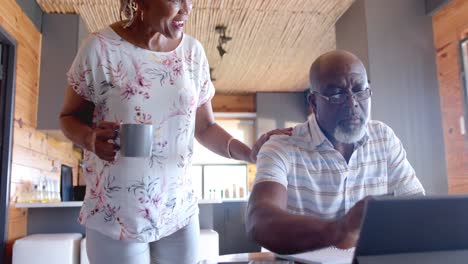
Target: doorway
x,y
7,80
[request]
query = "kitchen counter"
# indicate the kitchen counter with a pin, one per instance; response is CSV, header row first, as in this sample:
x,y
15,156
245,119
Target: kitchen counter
x,y
80,203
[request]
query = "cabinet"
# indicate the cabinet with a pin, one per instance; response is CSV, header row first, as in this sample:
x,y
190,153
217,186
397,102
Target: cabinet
x,y
229,222
61,217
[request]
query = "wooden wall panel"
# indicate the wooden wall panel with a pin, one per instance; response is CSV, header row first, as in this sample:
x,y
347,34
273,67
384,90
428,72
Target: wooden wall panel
x,y
450,26
234,103
15,22
34,153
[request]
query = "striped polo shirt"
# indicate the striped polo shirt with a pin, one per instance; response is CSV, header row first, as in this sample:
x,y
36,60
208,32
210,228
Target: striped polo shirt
x,y
321,183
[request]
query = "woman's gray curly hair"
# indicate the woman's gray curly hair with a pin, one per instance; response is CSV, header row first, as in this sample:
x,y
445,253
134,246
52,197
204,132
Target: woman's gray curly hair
x,y
126,9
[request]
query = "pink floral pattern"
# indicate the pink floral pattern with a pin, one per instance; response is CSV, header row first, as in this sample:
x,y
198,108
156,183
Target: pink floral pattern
x,y
141,117
106,42
142,199
171,68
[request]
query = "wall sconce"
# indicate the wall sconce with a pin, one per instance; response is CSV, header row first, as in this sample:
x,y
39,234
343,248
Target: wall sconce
x,y
223,39
211,74
221,50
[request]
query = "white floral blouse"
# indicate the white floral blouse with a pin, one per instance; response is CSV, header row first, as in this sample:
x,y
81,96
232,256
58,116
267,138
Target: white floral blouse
x,y
142,199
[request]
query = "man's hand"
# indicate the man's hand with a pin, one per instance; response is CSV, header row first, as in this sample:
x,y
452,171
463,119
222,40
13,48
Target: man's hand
x,y
350,225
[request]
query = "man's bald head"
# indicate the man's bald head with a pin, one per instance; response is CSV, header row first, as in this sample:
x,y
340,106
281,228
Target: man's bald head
x,y
340,96
335,63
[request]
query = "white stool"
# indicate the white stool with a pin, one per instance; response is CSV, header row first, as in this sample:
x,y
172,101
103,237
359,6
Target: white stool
x,y
83,254
47,249
209,245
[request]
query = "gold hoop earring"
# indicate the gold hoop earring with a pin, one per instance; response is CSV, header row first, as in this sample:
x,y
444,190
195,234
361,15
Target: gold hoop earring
x,y
132,10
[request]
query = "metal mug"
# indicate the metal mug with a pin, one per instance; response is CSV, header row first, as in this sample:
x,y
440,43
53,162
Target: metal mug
x,y
136,140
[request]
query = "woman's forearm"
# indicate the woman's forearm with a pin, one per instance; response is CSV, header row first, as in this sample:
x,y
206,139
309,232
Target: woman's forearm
x,y
216,139
77,131
240,151
76,119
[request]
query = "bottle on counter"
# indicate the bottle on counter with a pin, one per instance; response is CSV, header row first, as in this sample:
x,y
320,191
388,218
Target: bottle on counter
x,y
234,191
43,193
22,194
56,191
35,195
241,192
50,190
226,193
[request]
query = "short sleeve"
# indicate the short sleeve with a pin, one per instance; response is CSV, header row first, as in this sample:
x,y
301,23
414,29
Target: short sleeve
x,y
81,75
272,163
206,87
402,180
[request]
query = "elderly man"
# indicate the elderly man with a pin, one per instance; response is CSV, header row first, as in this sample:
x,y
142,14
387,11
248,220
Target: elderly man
x,y
310,187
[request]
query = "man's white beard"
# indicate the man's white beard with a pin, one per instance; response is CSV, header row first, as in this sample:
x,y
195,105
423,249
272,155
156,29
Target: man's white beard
x,y
351,136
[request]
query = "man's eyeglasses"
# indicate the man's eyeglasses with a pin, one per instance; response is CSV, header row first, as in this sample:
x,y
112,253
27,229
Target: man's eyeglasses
x,y
342,97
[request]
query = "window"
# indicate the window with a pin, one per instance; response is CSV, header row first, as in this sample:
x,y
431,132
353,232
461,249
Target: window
x,y
241,129
196,172
217,177
225,181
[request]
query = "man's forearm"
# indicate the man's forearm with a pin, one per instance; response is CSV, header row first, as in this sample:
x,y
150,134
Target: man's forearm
x,y
287,233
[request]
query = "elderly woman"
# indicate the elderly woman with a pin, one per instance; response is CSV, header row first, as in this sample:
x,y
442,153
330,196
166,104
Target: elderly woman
x,y
144,70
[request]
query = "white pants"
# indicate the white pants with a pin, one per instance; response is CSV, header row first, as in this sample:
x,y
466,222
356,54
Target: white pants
x,y
180,247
